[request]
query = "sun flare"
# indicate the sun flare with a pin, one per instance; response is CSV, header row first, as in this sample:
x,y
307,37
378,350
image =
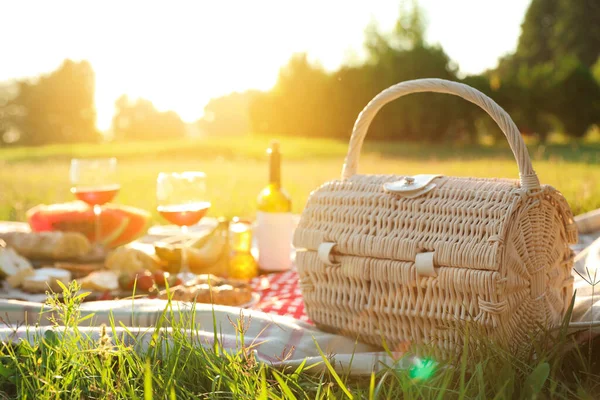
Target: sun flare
x,y
180,54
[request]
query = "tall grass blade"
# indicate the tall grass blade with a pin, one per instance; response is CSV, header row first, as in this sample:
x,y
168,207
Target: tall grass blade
x,y
284,387
147,381
263,384
332,372
463,363
536,380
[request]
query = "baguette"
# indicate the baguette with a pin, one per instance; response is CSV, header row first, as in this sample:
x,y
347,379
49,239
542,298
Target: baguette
x,y
211,289
48,245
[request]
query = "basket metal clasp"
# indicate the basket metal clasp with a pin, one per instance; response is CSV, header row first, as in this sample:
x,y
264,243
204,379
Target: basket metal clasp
x,y
411,186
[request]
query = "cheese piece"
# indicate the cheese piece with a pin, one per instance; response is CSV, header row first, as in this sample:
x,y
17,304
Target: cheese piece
x,y
100,281
46,279
13,267
11,262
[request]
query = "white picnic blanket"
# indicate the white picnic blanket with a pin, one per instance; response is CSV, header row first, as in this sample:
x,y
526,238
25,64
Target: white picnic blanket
x,y
278,340
274,339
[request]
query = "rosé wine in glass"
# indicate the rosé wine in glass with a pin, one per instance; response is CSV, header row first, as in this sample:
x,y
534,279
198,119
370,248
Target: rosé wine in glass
x,y
182,201
94,181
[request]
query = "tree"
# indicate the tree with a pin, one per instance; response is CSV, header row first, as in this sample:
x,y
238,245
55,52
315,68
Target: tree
x,y
548,82
577,31
403,55
307,100
297,105
554,29
596,70
228,115
8,91
139,120
575,96
57,108
537,33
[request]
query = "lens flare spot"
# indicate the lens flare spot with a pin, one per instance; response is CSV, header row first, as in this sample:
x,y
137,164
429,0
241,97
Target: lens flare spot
x,y
423,369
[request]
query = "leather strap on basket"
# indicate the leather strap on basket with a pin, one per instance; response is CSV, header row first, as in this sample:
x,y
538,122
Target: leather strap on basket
x,y
528,177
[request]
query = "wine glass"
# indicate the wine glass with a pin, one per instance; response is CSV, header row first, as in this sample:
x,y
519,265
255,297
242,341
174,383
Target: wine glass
x,y
94,181
182,201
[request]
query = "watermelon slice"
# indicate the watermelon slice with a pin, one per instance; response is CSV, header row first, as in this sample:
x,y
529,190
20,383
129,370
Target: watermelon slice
x,y
119,224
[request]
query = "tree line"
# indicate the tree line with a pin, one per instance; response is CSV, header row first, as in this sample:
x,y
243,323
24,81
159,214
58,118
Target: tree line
x,y
59,108
550,83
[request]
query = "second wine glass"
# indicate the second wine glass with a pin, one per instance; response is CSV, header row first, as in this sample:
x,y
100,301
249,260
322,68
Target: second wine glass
x,y
182,200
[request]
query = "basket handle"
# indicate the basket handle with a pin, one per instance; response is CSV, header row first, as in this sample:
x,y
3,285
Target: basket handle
x,y
528,177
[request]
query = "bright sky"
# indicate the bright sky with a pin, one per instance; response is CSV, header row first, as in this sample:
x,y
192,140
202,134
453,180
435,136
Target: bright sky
x,y
180,54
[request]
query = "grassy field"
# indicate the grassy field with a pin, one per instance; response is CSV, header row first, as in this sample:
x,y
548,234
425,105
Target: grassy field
x,y
237,169
68,364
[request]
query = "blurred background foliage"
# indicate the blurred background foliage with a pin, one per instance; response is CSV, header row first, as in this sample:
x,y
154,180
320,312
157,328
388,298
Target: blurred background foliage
x,y
551,83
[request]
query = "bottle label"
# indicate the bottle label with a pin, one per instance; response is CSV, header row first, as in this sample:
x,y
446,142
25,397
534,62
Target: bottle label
x,y
274,239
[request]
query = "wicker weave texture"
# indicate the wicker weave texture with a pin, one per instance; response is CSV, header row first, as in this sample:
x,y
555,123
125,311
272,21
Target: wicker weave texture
x,y
503,260
500,250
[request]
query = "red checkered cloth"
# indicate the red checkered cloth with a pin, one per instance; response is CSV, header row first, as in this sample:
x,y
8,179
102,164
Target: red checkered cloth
x,y
280,294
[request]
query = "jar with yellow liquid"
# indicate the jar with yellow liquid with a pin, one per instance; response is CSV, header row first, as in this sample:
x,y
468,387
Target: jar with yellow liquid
x,y
242,264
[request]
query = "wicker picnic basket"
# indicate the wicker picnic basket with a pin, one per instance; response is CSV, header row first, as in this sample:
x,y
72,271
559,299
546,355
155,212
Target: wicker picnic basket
x,y
412,259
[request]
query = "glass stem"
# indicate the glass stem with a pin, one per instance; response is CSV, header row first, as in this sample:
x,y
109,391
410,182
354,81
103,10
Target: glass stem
x,y
97,212
184,258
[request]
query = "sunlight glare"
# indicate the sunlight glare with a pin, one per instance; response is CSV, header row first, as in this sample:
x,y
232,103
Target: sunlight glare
x,y
181,54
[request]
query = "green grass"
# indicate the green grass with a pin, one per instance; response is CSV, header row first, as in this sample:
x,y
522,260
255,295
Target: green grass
x,y
68,364
74,366
237,169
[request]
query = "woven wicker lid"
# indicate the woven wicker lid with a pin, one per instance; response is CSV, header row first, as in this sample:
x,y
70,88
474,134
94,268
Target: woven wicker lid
x,y
463,220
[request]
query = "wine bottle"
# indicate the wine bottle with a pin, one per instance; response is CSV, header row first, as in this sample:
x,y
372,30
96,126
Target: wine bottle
x,y
274,219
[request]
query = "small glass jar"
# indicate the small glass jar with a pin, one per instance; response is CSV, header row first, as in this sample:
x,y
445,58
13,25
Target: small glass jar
x,y
242,264
240,235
